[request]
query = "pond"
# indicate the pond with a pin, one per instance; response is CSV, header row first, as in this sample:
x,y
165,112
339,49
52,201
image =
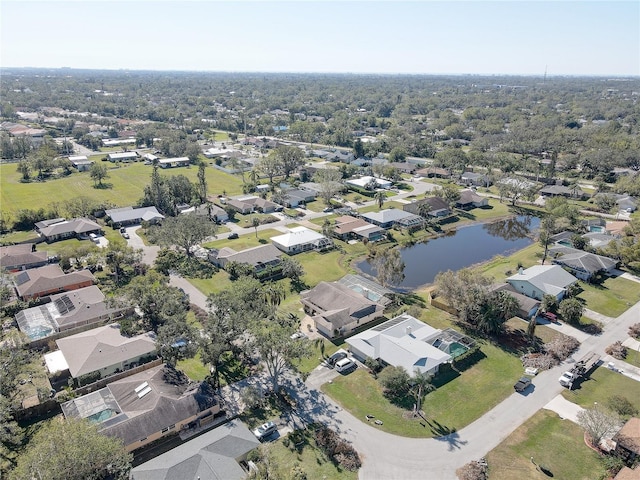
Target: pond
x,y
462,248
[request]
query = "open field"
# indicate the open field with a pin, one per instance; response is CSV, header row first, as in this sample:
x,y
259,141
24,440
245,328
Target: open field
x,y
553,443
127,183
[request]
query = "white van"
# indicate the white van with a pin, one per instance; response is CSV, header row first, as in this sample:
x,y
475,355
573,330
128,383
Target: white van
x,y
345,365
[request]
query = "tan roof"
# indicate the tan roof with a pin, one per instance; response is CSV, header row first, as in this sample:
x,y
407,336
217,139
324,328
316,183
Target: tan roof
x,y
628,474
47,279
102,347
347,224
77,226
15,256
629,435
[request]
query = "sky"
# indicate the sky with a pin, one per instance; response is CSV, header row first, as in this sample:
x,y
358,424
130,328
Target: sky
x,y
392,37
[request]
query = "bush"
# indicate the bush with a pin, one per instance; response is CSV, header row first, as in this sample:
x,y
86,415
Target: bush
x,y
617,350
634,331
541,361
622,406
472,471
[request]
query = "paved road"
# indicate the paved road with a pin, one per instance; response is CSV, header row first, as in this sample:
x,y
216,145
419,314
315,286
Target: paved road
x,y
387,457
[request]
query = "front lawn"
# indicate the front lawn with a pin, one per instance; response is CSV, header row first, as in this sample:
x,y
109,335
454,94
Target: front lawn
x,y
555,444
447,409
611,297
600,385
500,267
245,241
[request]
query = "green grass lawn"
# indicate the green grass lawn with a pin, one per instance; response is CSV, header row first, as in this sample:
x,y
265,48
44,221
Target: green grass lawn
x,y
18,237
310,459
307,365
500,267
245,241
633,357
447,409
556,444
611,297
127,184
600,385
194,368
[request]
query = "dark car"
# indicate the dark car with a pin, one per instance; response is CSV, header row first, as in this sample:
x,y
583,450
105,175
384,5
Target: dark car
x,y
232,236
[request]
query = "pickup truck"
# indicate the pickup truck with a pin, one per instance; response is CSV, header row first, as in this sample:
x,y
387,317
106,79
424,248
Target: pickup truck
x,y
522,384
567,379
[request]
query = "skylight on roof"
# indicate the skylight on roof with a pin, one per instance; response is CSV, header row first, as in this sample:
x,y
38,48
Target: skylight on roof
x,y
144,391
141,387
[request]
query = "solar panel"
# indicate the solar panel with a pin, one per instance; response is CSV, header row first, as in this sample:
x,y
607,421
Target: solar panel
x,y
22,277
64,305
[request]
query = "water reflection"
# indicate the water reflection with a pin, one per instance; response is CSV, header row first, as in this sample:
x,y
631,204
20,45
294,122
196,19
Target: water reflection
x,y
463,248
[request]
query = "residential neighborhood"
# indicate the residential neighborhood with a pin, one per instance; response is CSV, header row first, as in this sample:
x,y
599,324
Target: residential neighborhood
x,y
221,300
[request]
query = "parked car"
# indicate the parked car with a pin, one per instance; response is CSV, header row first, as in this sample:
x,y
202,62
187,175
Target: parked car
x,y
265,430
522,384
297,335
345,365
551,317
125,235
336,357
232,236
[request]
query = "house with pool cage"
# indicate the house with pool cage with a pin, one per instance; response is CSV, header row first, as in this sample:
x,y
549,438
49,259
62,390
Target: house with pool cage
x,y
405,341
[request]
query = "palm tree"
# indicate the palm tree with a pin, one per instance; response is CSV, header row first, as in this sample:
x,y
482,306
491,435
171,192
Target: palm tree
x,y
255,222
421,386
380,197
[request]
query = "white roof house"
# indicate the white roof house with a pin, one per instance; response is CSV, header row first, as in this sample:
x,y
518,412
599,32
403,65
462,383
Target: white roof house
x,y
542,280
403,341
130,215
300,239
362,182
122,156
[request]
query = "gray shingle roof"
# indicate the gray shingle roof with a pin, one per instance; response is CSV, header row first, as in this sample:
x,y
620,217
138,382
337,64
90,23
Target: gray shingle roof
x,y
48,278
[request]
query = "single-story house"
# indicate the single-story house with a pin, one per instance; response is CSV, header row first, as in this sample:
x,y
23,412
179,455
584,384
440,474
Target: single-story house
x,y
102,352
213,455
301,239
260,257
560,190
338,309
519,183
599,240
477,179
147,406
470,199
625,203
80,162
173,162
585,265
61,229
317,189
542,280
294,197
150,157
339,156
527,306
437,207
436,172
66,312
348,227
211,211
21,257
251,203
403,341
627,473
132,216
363,182
389,217
123,157
628,440
44,281
404,167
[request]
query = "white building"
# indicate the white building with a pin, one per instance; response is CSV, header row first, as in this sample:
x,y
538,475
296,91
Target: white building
x,y
362,182
301,239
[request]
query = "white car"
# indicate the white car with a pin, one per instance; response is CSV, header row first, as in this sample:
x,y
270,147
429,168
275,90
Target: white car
x,y
265,430
297,335
345,365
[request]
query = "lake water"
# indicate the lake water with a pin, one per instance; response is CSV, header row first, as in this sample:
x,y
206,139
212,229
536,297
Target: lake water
x,y
462,248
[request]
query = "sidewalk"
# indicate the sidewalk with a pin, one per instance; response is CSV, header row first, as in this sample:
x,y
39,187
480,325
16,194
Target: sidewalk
x,y
563,407
597,316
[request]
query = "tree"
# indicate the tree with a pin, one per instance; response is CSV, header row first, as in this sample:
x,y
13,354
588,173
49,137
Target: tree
x,y
420,386
272,340
380,196
176,341
193,151
292,269
98,172
24,168
571,310
358,148
598,423
290,158
202,182
389,266
118,255
270,166
255,223
72,449
185,231
42,159
329,180
449,193
11,434
395,381
397,154
158,301
328,228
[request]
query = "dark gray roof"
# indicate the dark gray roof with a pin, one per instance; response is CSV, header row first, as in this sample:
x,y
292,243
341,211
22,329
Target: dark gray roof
x,y
253,256
585,261
212,455
77,226
129,214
